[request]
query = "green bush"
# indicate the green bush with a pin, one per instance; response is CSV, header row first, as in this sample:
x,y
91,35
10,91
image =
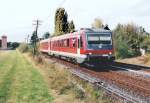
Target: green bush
x,y
146,43
129,38
124,51
23,47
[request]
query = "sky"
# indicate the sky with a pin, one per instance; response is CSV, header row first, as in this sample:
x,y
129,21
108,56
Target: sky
x,y
17,16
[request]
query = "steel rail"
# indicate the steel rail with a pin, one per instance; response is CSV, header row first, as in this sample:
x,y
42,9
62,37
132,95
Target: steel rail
x,y
144,74
109,87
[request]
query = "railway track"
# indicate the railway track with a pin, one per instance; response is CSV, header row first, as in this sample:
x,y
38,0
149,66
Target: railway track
x,y
109,88
129,88
133,66
133,85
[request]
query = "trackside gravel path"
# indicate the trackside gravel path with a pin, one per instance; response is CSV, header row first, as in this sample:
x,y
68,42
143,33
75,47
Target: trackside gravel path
x,y
20,82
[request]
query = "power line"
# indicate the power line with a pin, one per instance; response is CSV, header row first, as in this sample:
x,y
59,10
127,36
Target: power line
x,y
63,1
37,23
44,21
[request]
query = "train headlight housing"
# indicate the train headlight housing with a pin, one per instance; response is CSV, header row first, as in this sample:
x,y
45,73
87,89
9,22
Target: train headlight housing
x,y
90,53
110,53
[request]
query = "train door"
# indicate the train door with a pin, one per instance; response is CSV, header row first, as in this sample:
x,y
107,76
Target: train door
x,y
78,44
49,46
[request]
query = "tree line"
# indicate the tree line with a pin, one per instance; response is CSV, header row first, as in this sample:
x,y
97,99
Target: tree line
x,y
129,38
13,45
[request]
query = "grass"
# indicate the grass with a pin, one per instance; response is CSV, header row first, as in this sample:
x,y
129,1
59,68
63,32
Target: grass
x,y
24,79
20,82
147,59
68,88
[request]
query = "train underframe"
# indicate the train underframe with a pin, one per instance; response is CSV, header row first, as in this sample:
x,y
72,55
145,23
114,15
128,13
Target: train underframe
x,y
86,59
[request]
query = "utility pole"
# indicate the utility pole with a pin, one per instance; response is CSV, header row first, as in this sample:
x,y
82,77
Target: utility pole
x,y
35,35
37,23
27,39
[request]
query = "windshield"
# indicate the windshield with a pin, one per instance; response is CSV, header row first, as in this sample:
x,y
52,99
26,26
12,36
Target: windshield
x,y
99,39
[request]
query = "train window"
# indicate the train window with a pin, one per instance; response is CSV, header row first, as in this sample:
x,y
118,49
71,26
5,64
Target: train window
x,y
61,43
99,39
67,42
78,43
55,44
81,42
105,38
93,40
74,42
58,43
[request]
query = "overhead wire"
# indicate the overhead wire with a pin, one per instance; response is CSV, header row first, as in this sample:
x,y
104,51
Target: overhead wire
x,y
44,21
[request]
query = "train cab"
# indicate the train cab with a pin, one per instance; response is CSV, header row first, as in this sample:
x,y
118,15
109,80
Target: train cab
x,y
96,45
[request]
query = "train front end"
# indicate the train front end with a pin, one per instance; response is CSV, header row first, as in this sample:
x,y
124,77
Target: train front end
x,y
99,45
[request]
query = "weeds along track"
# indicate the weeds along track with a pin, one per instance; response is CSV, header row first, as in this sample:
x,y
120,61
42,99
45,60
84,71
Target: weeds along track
x,y
133,85
131,88
111,89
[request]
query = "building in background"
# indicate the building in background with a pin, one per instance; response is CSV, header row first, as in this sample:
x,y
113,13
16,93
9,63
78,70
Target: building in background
x,y
3,42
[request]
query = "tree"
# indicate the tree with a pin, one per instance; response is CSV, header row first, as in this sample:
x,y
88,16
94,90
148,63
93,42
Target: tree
x,y
126,40
65,23
98,23
60,21
129,38
14,45
71,27
146,42
62,25
46,35
8,44
23,47
34,40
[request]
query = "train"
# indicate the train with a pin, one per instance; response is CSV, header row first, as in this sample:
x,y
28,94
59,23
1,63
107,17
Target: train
x,y
84,45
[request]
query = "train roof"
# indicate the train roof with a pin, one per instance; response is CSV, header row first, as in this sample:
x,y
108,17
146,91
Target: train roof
x,y
65,36
91,30
82,30
45,40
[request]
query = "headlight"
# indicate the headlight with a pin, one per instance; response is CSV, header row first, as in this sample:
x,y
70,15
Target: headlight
x,y
90,53
110,53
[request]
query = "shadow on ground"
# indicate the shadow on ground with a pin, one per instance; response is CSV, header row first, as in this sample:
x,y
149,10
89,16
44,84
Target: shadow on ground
x,y
112,66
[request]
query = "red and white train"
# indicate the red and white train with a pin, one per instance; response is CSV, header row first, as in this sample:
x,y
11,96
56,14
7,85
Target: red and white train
x,y
81,46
